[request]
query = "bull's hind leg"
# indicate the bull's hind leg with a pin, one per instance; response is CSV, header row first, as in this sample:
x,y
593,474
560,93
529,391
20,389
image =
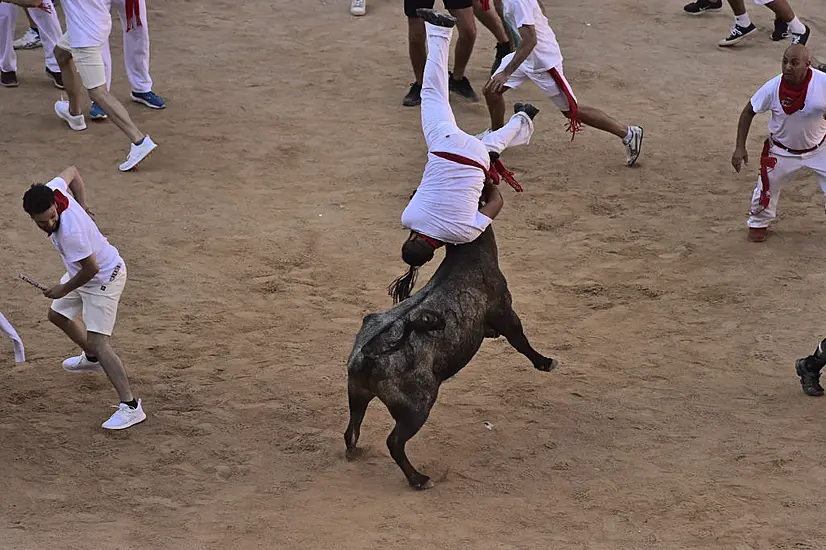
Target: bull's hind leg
x,y
358,398
508,325
410,417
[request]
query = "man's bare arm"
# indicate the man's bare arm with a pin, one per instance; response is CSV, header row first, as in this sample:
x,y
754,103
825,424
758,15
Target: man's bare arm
x,y
527,43
740,155
73,179
493,201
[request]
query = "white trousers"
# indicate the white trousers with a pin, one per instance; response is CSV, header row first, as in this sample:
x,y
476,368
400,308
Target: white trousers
x,y
781,175
50,32
135,51
438,123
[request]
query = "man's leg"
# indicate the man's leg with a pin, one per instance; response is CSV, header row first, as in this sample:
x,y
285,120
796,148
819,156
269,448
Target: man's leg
x,y
417,48
72,329
50,33
517,131
466,25
742,24
496,101
785,17
808,369
111,364
493,22
779,176
437,116
136,57
71,78
120,116
8,58
62,313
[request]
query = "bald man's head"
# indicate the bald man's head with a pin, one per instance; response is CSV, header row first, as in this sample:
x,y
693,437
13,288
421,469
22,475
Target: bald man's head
x,y
796,61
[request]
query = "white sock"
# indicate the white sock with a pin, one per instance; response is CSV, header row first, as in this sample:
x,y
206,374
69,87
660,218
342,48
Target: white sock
x,y
742,20
796,26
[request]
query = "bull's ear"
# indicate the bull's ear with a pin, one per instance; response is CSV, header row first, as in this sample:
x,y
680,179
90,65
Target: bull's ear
x,y
427,320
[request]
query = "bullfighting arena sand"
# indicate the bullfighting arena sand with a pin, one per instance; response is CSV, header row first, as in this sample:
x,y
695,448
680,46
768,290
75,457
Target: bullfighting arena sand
x,y
267,224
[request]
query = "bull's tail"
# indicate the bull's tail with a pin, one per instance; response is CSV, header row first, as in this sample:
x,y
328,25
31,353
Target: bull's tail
x,y
401,288
426,321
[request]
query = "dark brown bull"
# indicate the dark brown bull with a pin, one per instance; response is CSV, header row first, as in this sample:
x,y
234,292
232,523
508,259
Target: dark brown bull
x,y
404,354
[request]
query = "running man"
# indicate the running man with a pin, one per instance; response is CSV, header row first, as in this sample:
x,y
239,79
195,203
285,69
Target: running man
x,y
91,288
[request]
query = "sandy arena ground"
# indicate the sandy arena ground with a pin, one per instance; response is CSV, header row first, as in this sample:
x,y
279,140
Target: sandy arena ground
x,y
267,224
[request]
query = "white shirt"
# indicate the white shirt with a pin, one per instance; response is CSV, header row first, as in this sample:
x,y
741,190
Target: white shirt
x,y
802,129
446,203
88,22
546,55
77,237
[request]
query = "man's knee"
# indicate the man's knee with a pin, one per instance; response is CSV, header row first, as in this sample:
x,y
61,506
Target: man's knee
x,y
98,94
96,342
62,56
465,23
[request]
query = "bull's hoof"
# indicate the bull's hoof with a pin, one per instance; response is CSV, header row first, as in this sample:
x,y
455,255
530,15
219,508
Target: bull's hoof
x,y
547,364
423,484
354,454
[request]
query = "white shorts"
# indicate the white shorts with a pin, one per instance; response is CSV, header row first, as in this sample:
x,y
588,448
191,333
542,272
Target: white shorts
x,y
89,63
762,2
98,306
543,80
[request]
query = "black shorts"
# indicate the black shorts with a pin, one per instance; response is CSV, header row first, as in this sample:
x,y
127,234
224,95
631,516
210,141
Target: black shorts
x,y
410,6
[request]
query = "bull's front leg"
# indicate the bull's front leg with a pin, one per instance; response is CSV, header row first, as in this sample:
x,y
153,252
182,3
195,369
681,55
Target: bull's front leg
x,y
506,322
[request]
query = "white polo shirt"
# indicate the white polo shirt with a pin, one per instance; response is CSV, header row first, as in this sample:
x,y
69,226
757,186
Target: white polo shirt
x,y
78,237
88,22
802,129
546,55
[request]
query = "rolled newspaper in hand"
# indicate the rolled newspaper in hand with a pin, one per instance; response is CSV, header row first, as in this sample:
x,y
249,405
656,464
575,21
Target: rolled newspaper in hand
x,y
32,282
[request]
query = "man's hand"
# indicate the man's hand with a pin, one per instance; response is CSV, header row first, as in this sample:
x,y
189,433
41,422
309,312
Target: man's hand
x,y
56,292
739,158
496,84
91,213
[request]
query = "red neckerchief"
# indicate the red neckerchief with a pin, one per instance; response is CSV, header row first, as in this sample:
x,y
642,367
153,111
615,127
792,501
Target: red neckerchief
x,y
133,10
793,98
61,202
498,169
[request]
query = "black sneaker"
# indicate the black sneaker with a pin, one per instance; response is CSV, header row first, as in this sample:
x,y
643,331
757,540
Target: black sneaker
x,y
414,96
57,78
526,108
501,51
700,6
9,79
781,30
801,38
462,88
738,33
809,378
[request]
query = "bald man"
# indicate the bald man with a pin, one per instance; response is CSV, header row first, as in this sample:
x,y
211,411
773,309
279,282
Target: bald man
x,y
786,23
796,99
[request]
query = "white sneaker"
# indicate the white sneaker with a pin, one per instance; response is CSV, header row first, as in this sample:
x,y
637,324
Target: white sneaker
x,y
124,417
81,364
358,7
138,153
29,41
75,122
634,146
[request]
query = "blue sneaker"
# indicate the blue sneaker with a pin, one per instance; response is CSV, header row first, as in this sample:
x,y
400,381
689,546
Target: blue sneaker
x,y
150,99
96,113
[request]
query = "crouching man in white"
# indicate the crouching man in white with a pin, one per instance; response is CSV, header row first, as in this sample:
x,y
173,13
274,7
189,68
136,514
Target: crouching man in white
x,y
96,275
797,128
461,172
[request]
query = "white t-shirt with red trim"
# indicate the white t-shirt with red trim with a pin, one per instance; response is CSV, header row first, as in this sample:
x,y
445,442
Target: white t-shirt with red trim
x,y
78,237
800,130
546,55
